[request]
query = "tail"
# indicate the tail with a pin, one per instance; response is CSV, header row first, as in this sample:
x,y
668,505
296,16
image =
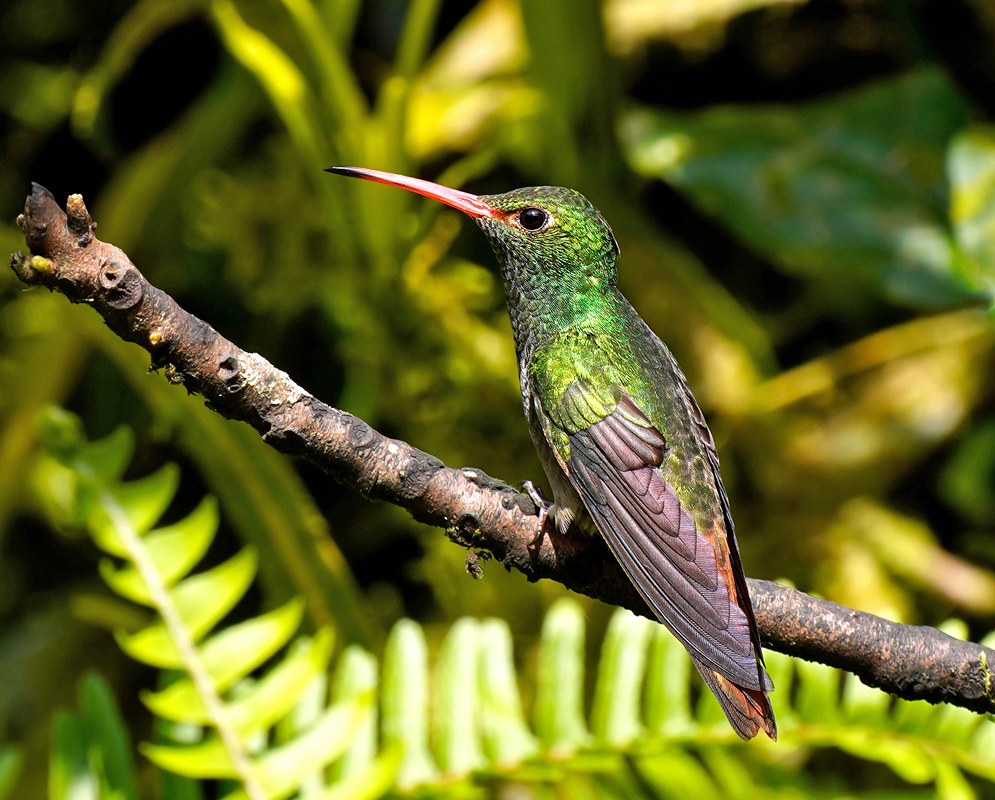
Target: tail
x,y
748,710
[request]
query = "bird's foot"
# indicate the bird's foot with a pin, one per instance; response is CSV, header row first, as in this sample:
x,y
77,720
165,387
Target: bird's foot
x,y
544,506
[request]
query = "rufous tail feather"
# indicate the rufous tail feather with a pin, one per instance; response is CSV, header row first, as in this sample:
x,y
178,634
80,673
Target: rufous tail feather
x,y
748,710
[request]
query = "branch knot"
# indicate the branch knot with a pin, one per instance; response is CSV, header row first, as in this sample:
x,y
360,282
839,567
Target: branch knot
x,y
121,283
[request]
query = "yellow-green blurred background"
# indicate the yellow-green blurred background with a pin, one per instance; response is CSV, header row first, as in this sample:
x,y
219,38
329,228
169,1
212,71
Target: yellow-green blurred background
x,y
803,194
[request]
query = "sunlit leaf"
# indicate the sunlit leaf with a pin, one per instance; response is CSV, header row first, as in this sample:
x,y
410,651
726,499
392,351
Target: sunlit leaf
x,y
676,773
559,707
142,502
202,601
615,716
635,23
229,656
456,700
206,760
971,170
507,739
357,674
272,697
175,549
283,768
372,782
405,702
667,694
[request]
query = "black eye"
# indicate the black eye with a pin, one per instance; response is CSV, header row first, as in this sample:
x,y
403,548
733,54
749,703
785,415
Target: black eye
x,y
532,219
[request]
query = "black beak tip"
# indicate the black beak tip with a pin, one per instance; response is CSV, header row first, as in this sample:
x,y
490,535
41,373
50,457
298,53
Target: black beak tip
x,y
339,170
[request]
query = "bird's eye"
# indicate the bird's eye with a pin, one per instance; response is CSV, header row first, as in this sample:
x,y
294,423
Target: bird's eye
x,y
532,219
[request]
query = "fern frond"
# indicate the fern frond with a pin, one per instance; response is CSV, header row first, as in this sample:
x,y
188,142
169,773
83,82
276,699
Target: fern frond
x,y
152,567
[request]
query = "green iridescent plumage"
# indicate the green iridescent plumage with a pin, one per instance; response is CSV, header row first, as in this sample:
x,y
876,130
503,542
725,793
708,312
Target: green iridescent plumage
x,y
618,432
571,322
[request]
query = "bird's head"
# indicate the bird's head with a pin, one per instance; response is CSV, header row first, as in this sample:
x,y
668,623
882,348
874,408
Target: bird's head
x,y
546,231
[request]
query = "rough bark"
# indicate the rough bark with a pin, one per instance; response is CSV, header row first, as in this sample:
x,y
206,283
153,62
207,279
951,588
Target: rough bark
x,y
475,510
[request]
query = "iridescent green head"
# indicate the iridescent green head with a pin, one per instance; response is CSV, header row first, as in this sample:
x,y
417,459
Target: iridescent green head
x,y
540,233
552,231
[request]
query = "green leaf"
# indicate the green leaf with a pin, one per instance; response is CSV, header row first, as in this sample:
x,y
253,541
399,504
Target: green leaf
x,y
568,61
968,480
11,761
865,706
507,739
283,768
108,457
456,696
971,170
310,705
202,601
905,758
62,434
175,787
615,717
229,656
559,706
279,76
142,501
357,674
950,782
273,697
668,696
66,498
781,670
847,191
404,703
340,88
373,782
913,717
262,497
209,759
818,691
731,773
678,774
69,775
175,549
107,738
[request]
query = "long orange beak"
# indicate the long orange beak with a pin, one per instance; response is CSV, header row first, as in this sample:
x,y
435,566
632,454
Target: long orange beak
x,y
468,203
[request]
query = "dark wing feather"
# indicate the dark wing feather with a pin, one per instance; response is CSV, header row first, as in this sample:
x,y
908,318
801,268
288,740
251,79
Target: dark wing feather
x,y
615,466
742,590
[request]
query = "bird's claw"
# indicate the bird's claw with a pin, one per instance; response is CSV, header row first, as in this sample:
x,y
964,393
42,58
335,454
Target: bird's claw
x,y
541,503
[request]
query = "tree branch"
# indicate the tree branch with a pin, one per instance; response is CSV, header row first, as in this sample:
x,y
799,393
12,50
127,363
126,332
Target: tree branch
x,y
476,511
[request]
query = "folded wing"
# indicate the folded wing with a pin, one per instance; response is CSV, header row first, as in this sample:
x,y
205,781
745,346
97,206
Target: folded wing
x,y
615,464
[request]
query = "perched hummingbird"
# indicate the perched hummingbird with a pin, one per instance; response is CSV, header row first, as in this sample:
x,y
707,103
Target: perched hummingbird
x,y
618,432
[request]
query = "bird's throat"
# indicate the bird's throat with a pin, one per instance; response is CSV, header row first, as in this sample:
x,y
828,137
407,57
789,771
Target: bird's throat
x,y
541,308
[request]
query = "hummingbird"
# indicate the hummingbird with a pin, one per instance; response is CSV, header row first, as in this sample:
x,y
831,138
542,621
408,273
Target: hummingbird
x,y
624,445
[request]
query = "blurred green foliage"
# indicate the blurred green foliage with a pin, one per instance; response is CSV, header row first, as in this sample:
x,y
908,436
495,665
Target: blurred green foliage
x,y
846,191
811,233
450,728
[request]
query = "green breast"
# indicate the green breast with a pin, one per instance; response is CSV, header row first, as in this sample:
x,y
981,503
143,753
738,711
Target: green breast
x,y
606,355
